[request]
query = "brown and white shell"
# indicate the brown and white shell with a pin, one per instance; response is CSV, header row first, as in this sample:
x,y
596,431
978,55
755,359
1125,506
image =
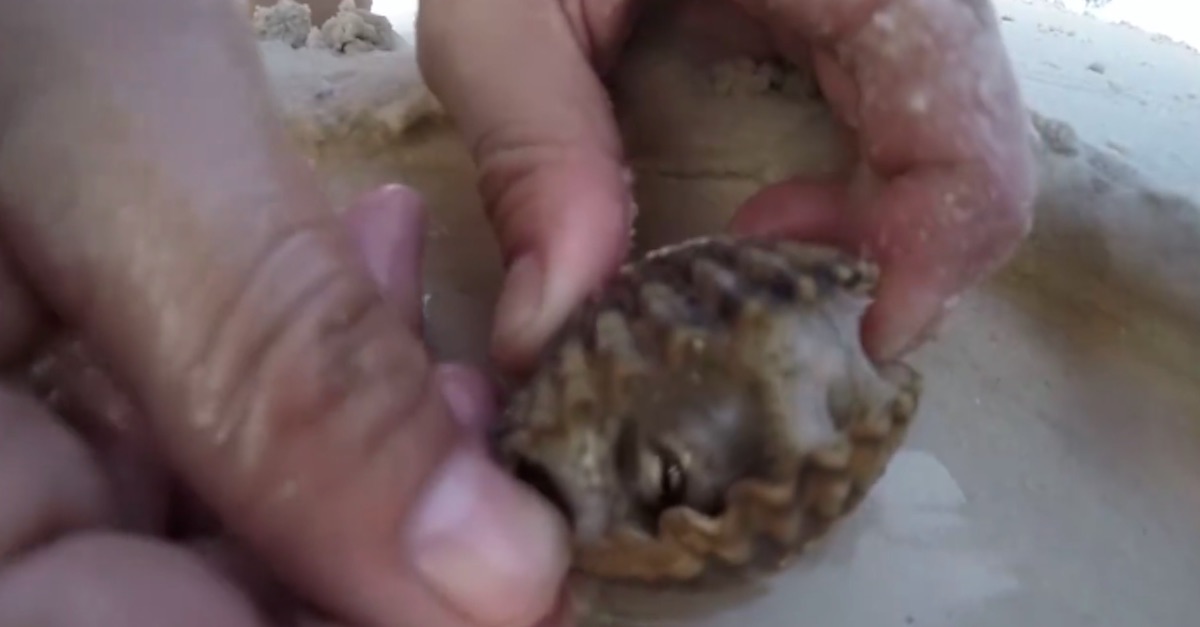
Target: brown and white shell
x,y
712,412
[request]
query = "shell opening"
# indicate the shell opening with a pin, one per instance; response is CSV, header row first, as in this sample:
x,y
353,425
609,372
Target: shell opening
x,y
537,477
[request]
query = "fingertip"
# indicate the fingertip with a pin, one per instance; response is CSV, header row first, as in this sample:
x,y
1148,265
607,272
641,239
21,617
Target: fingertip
x,y
565,242
388,224
492,548
521,316
911,298
907,311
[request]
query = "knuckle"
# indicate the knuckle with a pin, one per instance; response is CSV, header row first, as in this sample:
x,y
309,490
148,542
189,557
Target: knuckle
x,y
511,168
528,178
310,372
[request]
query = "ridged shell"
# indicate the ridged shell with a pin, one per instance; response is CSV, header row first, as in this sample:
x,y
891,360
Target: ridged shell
x,y
712,411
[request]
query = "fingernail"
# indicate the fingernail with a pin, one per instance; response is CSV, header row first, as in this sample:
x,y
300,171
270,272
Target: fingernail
x,y
908,330
520,306
493,549
468,394
387,225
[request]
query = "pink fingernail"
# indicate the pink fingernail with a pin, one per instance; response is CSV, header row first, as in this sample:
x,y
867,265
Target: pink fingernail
x,y
520,306
492,548
469,395
388,224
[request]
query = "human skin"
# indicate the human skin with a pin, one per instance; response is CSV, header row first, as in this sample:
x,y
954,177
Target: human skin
x,y
109,208
151,205
83,530
941,198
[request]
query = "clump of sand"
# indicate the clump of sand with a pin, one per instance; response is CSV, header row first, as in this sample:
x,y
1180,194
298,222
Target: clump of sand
x,y
351,30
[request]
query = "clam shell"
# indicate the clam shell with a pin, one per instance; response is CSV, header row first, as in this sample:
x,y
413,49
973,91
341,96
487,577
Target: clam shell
x,y
746,349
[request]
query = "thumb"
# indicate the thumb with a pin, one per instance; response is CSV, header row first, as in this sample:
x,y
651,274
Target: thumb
x,y
910,304
916,288
197,256
912,296
519,78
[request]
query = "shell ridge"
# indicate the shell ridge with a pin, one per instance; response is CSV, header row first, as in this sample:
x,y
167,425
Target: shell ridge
x,y
705,317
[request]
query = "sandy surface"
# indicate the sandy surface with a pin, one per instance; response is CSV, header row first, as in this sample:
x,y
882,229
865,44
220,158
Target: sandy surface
x,y
1054,475
1124,90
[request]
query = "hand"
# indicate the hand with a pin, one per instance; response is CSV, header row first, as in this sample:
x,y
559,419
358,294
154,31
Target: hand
x,y
90,515
926,85
159,214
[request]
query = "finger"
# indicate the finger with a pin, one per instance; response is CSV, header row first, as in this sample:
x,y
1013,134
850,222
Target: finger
x,y
909,306
49,482
911,245
798,209
935,232
239,313
100,579
386,222
519,78
389,223
926,259
928,86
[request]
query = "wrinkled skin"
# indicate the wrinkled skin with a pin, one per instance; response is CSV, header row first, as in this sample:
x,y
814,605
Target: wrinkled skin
x,y
188,248
152,205
89,499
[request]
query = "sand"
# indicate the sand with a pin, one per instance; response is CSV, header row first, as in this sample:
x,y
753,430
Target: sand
x,y
1054,476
